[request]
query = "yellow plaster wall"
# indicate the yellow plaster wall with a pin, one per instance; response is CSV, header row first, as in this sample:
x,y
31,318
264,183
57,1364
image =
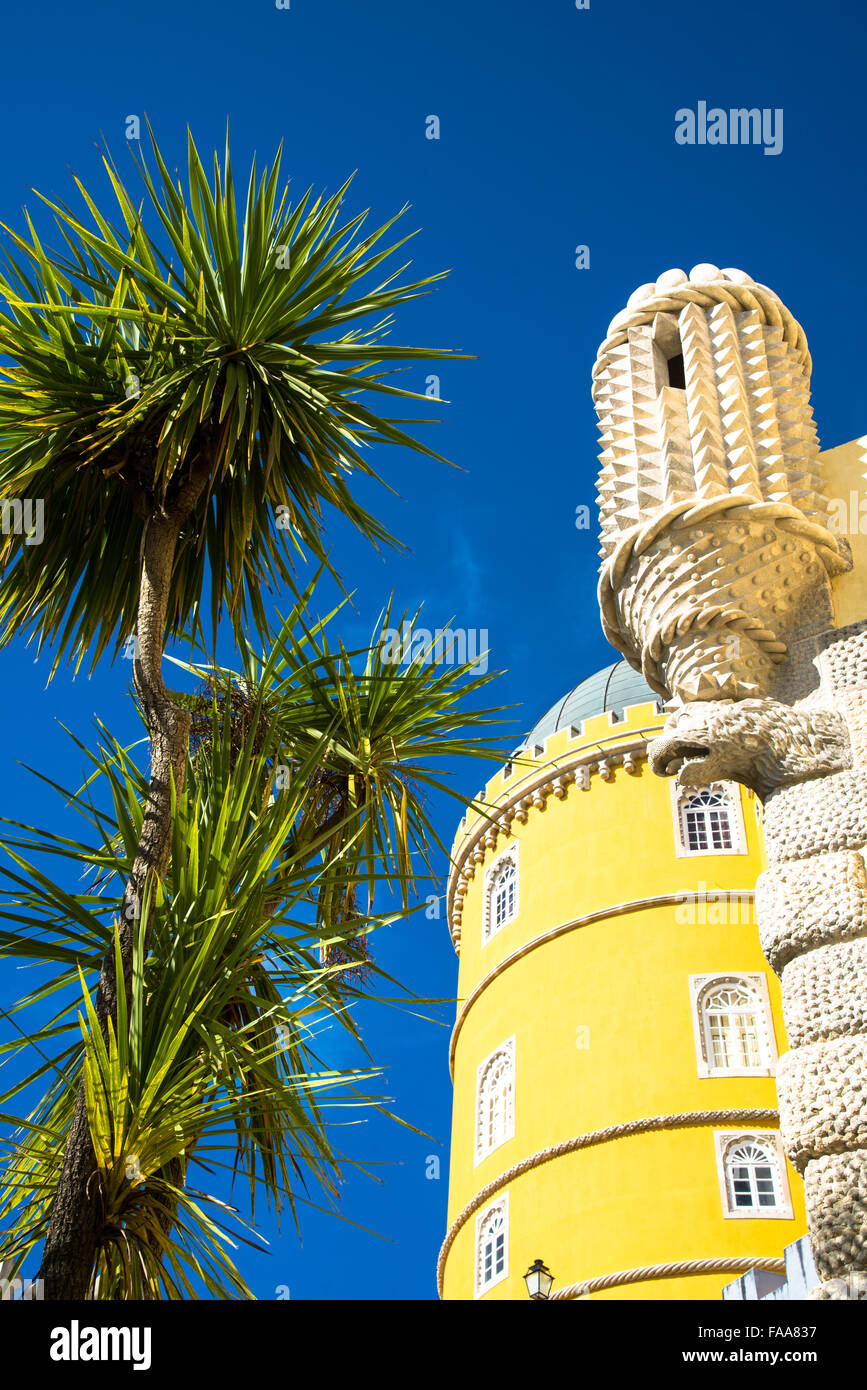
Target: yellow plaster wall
x,y
624,983
845,472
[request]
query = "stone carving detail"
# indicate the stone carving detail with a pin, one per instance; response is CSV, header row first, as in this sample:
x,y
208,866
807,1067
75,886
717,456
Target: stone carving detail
x,y
714,522
762,743
808,904
717,562
824,994
836,1191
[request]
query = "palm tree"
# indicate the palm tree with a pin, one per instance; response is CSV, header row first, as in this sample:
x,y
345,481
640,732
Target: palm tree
x,y
183,392
306,783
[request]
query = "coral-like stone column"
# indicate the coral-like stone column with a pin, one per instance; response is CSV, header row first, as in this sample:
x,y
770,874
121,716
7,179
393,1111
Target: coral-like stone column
x,y
717,563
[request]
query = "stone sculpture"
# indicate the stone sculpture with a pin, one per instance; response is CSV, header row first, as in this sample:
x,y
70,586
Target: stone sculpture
x,y
716,581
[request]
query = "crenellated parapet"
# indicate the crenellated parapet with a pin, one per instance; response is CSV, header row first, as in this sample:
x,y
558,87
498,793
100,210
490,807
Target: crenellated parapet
x,y
572,762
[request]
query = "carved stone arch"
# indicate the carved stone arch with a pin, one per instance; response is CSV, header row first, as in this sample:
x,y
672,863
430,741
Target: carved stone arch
x,y
708,820
754,986
751,1167
492,1245
501,893
495,1100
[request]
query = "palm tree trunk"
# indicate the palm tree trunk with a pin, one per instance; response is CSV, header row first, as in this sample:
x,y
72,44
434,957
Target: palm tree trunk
x,y
76,1223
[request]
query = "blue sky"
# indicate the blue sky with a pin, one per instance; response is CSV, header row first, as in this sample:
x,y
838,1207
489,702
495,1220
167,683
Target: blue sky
x,y
556,130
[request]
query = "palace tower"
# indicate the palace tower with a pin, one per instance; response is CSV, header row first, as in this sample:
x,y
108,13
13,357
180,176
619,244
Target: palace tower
x,y
660,1053
618,1028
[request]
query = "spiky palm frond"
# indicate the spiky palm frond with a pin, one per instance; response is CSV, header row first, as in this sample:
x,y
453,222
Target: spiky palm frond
x,y
384,729
217,1051
185,338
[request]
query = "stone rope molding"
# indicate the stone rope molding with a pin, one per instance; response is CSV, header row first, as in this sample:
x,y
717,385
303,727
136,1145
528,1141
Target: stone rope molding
x,y
743,297
736,1264
587,919
650,1125
553,781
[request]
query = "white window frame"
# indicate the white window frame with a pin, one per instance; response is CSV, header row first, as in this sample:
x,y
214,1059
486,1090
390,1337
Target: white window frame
x,y
700,986
482,1148
727,1140
498,1208
489,927
679,798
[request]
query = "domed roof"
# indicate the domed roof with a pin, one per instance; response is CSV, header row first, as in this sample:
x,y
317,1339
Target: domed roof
x,y
611,689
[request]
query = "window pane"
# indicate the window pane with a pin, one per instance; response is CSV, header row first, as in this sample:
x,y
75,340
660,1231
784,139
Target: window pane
x,y
707,822
492,1250
502,896
719,829
495,1102
752,1178
695,830
734,1037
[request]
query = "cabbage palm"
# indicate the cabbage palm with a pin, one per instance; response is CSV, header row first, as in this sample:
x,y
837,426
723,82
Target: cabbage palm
x,y
319,790
208,1054
183,392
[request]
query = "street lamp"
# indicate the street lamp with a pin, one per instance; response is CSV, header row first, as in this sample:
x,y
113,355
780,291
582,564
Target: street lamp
x,y
539,1280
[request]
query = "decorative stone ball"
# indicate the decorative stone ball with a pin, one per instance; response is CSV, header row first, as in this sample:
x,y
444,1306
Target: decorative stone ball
x,y
639,296
669,279
705,272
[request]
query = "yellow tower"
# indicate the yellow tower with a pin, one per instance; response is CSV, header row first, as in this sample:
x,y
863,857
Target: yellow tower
x,y
618,1027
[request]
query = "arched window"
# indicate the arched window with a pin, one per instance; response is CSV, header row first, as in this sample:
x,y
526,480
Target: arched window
x,y
501,893
708,820
733,1024
492,1246
753,1175
495,1100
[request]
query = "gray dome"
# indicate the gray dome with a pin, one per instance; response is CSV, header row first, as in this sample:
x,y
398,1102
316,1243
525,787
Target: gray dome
x,y
611,689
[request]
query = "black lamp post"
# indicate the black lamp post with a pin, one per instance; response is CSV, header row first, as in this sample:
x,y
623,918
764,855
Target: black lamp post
x,y
539,1280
